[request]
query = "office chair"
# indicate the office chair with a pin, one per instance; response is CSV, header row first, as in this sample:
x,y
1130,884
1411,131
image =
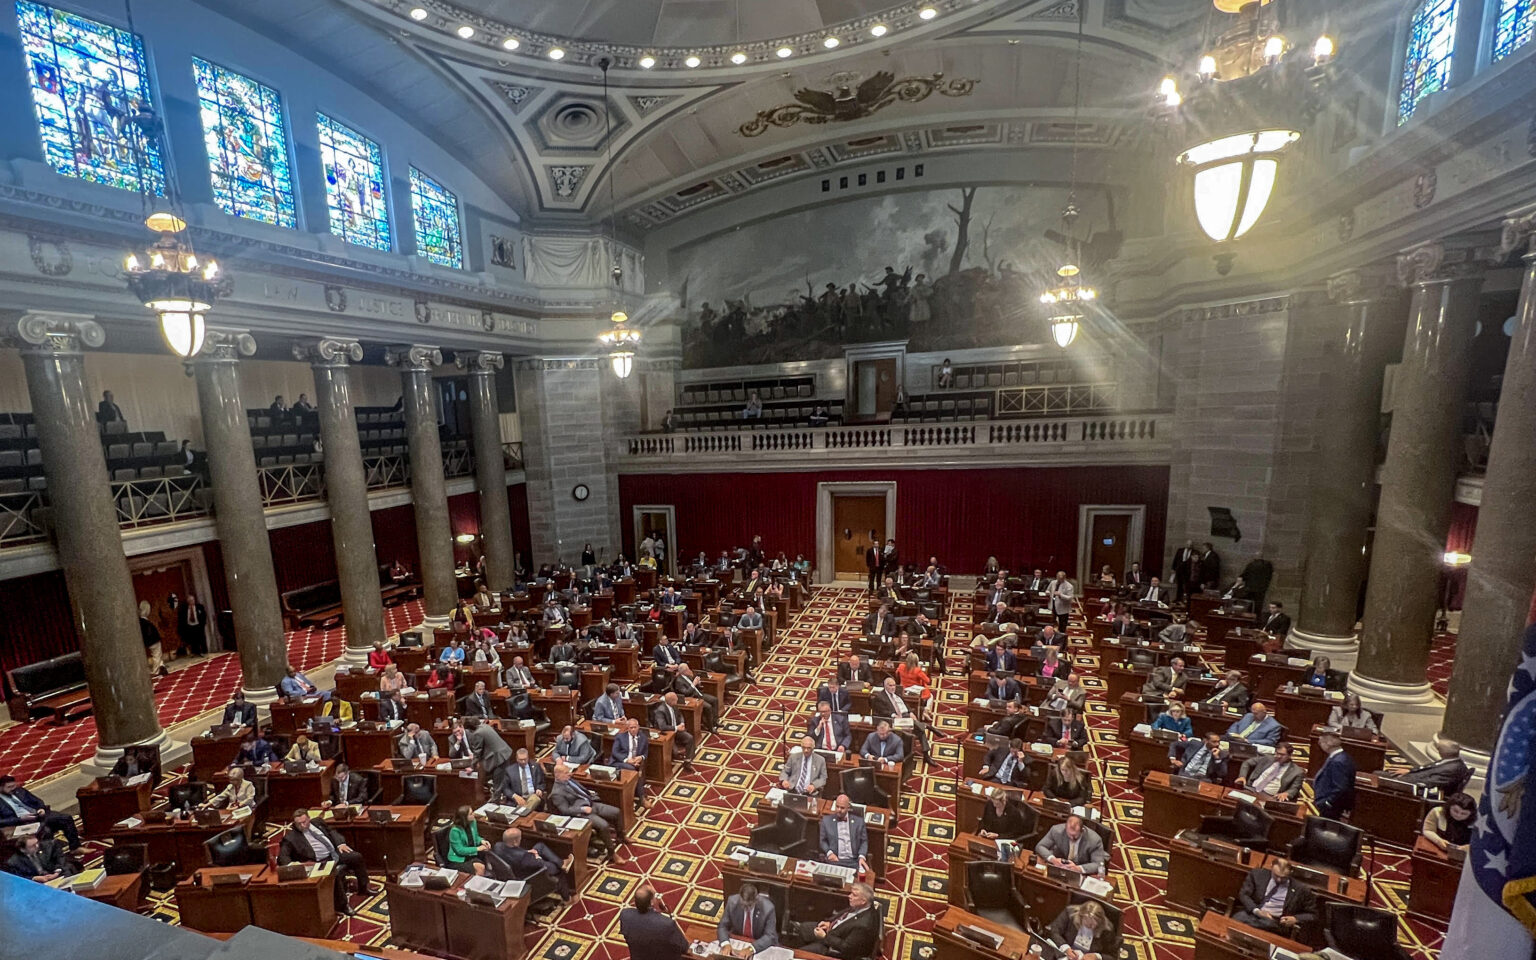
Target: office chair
x,y
539,882
187,795
521,707
714,663
1249,826
440,844
568,677
1112,916
860,786
786,835
371,787
417,790
990,894
1329,844
125,858
1362,932
232,849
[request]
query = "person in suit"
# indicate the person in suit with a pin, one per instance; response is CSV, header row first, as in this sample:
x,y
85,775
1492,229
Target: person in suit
x,y
1001,613
1004,687
1256,726
1273,900
1067,730
1273,776
1277,623
888,702
833,694
107,411
563,652
1048,638
828,730
1166,681
192,627
1002,657
1134,577
854,669
1448,774
750,917
296,685
522,780
998,593
1013,721
1333,789
1007,764
845,837
415,742
750,620
571,799
629,751
346,786
239,792
1352,713
237,711
666,656
1067,782
137,760
882,744
574,747
665,716
255,750
307,841
651,934
686,685
41,859
806,770
1125,625
391,707
1232,693
609,708
1185,560
458,740
517,676
850,934
490,751
154,652
1200,759
478,702
1074,846
881,623
1152,592
1061,594
1067,692
1002,818
1085,932
524,860
1209,569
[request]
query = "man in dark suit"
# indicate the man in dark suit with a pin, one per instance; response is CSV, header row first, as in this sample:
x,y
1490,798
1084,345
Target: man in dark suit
x,y
1166,681
568,797
1003,687
1135,577
629,752
665,716
347,787
19,807
687,687
137,760
881,623
833,694
666,656
1151,592
1210,566
238,711
524,860
489,749
882,744
1007,764
829,730
1274,776
888,702
851,934
855,669
1232,693
749,917
1277,623
41,860
1333,789
872,563
573,747
391,707
1067,730
651,934
1448,774
1185,560
1002,657
192,625
998,593
844,836
1013,722
478,702
522,780
563,652
1272,900
107,410
1125,625
1200,759
1001,614
308,841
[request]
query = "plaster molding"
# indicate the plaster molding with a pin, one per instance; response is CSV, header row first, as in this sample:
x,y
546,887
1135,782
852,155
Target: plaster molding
x,y
224,346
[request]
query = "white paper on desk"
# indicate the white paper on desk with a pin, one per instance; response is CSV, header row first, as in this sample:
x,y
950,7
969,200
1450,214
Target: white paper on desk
x,y
775,953
136,780
1333,694
775,795
321,869
240,813
982,702
311,699
443,767
558,820
1044,749
1144,729
130,823
1263,750
1297,661
577,823
905,723
411,878
523,724
26,829
407,690
1096,887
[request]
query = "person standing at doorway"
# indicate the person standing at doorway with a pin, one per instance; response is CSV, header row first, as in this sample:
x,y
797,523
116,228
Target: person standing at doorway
x,y
153,652
193,627
872,561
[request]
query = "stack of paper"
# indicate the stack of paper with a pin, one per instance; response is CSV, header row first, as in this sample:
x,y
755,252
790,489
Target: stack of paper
x,y
136,780
87,879
775,795
577,823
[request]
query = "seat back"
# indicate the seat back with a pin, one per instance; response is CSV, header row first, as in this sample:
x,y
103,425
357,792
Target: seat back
x,y
1251,822
1329,843
1112,914
188,794
860,786
419,789
440,844
228,849
988,885
1360,931
125,858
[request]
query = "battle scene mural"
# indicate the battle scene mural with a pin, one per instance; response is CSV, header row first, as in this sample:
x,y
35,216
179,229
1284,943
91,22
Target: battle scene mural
x,y
945,269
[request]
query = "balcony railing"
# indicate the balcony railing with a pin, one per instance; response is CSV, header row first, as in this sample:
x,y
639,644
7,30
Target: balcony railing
x,y
1144,436
291,483
388,471
159,500
513,454
21,518
458,463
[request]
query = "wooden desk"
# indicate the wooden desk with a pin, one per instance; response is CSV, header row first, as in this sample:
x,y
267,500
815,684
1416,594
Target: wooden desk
x,y
701,933
290,791
1146,754
805,897
1432,891
877,821
1370,755
658,758
212,755
211,909
439,922
427,707
1120,679
572,843
298,908
618,793
1300,711
454,788
351,685
1211,941
622,658
1390,817
1195,875
386,847
364,749
122,890
291,717
594,679
179,841
562,709
1166,811
639,708
949,945
515,735
1266,675
101,806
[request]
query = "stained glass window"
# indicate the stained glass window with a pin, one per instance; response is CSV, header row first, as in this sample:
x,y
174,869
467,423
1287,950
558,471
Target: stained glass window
x,y
1513,26
436,213
88,80
247,148
354,185
1427,61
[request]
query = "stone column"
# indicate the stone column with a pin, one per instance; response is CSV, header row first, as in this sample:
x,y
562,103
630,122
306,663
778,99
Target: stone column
x,y
1503,570
1420,477
1344,485
434,535
85,527
239,513
490,469
346,491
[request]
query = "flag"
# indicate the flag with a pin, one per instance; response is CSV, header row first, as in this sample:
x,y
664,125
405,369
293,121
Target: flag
x,y
1495,911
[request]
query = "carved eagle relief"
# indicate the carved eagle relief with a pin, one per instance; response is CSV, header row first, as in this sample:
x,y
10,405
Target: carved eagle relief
x,y
844,102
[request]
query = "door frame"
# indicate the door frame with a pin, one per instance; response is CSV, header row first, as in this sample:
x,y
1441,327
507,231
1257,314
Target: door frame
x,y
1133,538
825,492
640,509
197,569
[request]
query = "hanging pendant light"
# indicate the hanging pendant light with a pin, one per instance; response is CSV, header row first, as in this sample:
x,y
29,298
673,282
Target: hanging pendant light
x,y
1066,300
175,284
621,340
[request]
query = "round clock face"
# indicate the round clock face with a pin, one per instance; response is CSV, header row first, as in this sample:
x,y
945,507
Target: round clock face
x,y
580,491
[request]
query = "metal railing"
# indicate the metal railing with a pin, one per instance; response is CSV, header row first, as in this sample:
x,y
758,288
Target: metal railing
x,y
1056,400
512,452
291,483
159,500
21,518
386,471
458,463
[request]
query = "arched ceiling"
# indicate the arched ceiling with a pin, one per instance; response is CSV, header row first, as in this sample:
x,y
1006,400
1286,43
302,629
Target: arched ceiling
x,y
979,74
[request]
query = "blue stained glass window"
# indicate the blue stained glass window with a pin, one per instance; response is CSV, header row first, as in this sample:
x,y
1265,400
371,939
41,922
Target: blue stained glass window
x,y
436,213
1513,26
88,80
354,185
1427,61
247,148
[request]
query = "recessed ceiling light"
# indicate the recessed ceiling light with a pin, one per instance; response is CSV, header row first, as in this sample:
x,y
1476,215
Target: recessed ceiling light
x,y
511,43
418,14
830,42
784,52
738,58
465,32
647,62
927,13
878,30
692,62
555,53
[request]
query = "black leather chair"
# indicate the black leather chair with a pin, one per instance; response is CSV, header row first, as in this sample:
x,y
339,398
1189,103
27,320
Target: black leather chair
x,y
1327,843
568,677
539,883
232,849
990,894
521,707
125,858
1249,826
187,795
417,790
440,843
1362,932
371,787
1338,680
860,786
714,663
786,835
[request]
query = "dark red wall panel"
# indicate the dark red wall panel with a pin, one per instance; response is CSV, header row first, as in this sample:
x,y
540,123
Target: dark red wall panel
x,y
1024,516
41,624
394,535
303,554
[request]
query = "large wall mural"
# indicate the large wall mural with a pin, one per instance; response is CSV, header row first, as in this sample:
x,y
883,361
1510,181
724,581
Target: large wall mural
x,y
945,269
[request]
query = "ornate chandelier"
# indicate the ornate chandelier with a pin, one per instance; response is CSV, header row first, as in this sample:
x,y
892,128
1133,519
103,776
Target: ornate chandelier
x,y
175,284
621,342
1250,97
1066,300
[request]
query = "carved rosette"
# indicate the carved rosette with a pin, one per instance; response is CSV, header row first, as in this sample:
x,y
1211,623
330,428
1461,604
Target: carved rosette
x,y
414,357
482,362
224,346
328,351
58,333
1519,229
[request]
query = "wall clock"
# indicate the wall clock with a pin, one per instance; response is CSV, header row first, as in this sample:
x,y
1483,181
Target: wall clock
x,y
580,492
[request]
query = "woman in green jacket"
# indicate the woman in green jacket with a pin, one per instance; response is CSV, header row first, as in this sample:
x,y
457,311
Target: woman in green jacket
x,y
464,843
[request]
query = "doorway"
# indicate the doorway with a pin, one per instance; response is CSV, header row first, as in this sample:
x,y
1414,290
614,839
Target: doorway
x,y
1108,535
658,519
180,572
874,386
854,520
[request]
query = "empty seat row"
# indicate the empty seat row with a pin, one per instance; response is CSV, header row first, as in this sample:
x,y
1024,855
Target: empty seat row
x,y
171,470
787,388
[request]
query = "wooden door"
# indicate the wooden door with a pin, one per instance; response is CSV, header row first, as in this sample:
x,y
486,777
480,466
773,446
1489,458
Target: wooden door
x,y
874,386
1108,545
853,518
155,586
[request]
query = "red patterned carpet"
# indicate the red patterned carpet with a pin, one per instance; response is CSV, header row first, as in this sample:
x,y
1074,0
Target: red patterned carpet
x,y
35,751
700,816
1442,656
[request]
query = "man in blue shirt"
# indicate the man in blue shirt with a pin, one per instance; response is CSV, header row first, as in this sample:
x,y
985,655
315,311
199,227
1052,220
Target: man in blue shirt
x,y
609,707
883,744
1256,726
1201,759
629,752
832,693
294,684
523,781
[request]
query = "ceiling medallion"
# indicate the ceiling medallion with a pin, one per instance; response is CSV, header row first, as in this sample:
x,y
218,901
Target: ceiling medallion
x,y
845,102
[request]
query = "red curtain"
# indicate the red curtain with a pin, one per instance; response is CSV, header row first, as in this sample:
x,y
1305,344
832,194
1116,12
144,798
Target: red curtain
x,y
394,535
303,555
1025,517
1463,528
41,624
213,559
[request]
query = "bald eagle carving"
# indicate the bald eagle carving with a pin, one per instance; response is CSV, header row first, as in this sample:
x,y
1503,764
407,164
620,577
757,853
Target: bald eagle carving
x,y
844,102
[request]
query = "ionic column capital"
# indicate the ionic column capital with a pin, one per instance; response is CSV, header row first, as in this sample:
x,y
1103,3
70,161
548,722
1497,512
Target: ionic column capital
x,y
224,346
46,332
328,351
480,361
1519,228
414,357
1438,262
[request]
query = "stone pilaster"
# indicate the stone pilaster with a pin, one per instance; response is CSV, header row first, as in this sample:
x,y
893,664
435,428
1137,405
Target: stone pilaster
x,y
490,468
434,535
